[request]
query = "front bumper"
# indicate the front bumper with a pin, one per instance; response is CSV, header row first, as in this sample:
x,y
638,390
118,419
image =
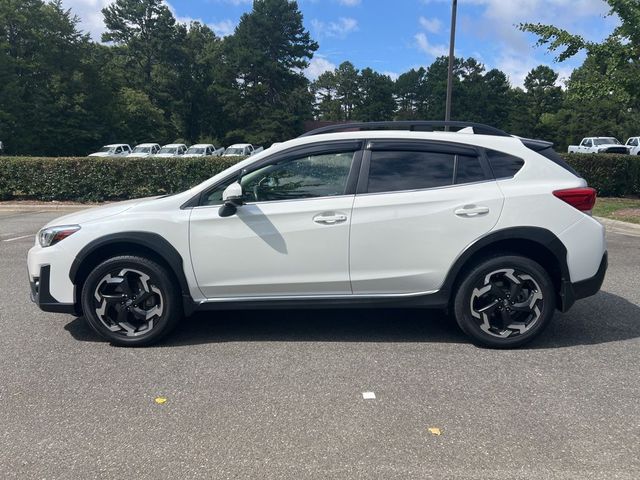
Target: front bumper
x,y
570,292
41,294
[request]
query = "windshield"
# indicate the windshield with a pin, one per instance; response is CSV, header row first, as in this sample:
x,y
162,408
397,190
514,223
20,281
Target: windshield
x,y
168,150
105,149
141,150
234,151
606,141
196,151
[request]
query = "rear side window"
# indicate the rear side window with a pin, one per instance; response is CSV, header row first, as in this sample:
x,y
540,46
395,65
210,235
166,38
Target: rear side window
x,y
468,170
392,171
503,164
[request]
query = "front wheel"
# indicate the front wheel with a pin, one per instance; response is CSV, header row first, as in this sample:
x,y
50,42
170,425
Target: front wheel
x,y
131,301
505,302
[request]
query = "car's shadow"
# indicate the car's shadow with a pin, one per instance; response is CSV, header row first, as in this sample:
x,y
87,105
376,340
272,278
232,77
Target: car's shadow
x,y
600,319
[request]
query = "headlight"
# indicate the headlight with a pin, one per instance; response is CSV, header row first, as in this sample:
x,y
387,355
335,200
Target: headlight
x,y
52,235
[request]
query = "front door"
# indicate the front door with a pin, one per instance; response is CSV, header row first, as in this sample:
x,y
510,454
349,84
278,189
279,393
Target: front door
x,y
290,238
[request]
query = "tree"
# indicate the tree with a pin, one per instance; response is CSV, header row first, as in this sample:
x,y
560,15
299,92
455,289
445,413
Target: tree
x,y
267,94
48,98
617,57
325,93
347,90
410,94
543,97
376,100
145,32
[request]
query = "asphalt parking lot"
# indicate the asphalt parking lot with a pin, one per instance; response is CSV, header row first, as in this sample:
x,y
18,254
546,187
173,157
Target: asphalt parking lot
x,y
280,394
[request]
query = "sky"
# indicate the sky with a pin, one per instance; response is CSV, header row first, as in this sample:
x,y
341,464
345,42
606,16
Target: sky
x,y
393,36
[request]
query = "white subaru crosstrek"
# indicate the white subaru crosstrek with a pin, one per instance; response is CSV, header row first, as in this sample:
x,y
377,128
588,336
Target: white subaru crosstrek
x,y
493,228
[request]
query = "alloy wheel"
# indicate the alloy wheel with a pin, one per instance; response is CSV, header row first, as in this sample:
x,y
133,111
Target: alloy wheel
x,y
127,302
507,303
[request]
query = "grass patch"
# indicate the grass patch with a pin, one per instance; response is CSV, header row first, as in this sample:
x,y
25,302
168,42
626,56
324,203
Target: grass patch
x,y
624,209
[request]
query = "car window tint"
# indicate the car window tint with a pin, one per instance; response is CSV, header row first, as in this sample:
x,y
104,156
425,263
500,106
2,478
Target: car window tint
x,y
468,169
308,177
503,164
391,171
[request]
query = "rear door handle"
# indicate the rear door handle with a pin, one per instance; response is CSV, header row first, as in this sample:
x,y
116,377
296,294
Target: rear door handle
x,y
471,211
330,218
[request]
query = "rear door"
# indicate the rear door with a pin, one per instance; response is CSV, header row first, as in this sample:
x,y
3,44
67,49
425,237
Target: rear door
x,y
418,206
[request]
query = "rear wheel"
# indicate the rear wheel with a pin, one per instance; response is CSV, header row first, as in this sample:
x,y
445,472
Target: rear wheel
x,y
505,302
131,301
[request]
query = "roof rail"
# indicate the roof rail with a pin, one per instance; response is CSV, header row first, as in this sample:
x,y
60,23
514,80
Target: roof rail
x,y
411,125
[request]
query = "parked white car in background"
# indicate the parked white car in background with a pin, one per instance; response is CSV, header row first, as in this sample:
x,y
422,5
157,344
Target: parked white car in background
x,y
115,150
598,145
172,150
144,150
204,150
633,144
242,149
493,228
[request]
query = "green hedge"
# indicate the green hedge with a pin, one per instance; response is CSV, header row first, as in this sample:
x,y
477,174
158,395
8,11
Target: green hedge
x,y
612,175
100,179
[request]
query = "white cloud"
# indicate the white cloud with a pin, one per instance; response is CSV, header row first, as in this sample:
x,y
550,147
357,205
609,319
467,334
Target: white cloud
x,y
224,27
90,14
317,66
433,25
423,44
493,23
338,29
92,21
349,3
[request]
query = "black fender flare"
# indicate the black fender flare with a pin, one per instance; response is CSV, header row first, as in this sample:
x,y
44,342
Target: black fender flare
x,y
152,241
545,238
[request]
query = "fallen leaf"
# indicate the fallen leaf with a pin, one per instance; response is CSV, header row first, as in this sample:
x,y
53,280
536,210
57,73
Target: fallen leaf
x,y
435,431
160,400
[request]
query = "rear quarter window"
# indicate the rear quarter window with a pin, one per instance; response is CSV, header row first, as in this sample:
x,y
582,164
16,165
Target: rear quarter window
x,y
504,165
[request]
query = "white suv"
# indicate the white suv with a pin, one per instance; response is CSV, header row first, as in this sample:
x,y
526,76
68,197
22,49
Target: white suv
x,y
494,228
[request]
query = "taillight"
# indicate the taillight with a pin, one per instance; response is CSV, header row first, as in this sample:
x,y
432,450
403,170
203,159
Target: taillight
x,y
583,198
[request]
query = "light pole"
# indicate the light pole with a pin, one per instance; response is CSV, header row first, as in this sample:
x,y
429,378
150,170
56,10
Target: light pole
x,y
452,46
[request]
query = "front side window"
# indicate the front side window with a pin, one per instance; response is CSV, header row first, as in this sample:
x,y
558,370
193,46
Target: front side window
x,y
392,171
313,176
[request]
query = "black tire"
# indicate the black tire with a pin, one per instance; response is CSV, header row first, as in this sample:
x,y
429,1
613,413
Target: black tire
x,y
486,311
131,301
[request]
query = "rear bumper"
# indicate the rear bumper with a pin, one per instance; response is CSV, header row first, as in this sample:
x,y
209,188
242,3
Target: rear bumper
x,y
570,292
41,294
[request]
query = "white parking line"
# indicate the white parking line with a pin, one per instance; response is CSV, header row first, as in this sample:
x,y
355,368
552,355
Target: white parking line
x,y
19,238
368,395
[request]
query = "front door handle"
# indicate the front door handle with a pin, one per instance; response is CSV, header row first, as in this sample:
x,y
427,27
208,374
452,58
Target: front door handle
x,y
330,218
471,211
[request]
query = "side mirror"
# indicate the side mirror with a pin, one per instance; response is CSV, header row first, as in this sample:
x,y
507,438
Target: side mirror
x,y
232,198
